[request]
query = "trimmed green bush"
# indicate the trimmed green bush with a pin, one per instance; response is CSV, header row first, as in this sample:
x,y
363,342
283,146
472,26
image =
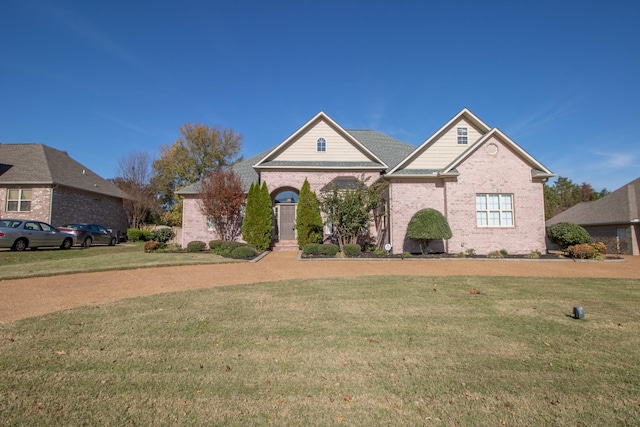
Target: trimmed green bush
x,y
328,249
244,252
426,225
351,250
162,235
215,244
196,246
134,234
565,234
257,224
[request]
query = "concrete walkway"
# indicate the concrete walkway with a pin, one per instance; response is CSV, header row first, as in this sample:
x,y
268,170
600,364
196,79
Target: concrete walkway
x,y
23,298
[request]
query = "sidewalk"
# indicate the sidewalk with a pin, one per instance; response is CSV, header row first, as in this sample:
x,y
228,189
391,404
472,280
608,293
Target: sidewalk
x,y
23,298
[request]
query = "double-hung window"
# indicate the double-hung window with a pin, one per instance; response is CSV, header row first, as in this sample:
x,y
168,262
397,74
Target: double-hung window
x,y
494,210
18,200
462,135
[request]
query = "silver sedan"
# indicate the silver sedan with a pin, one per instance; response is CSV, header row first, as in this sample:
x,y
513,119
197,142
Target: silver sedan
x,y
20,234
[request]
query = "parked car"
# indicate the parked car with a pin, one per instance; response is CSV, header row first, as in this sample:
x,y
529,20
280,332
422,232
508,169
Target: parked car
x,y
89,234
20,234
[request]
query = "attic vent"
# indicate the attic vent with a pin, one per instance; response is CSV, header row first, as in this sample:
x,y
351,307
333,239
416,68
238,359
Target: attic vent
x,y
84,172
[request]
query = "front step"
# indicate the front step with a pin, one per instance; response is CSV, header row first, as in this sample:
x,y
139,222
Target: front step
x,y
285,245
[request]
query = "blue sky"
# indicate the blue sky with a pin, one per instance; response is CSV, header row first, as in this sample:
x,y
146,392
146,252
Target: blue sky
x,y
102,79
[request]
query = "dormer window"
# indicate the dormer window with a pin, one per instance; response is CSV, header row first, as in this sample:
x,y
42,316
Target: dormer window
x,y
462,136
321,145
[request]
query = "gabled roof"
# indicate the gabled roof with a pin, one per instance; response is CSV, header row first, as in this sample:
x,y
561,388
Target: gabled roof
x,y
269,161
538,169
38,164
464,113
619,207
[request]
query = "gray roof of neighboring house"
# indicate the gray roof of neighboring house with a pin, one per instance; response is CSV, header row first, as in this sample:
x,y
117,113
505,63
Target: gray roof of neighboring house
x,y
619,207
38,164
389,150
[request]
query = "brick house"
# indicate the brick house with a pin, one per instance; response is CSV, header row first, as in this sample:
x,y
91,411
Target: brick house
x,y
489,189
613,219
42,183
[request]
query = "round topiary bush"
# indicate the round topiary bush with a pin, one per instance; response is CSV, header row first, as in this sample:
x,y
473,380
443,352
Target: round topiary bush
x,y
196,246
565,234
352,250
311,249
244,252
162,235
329,249
426,225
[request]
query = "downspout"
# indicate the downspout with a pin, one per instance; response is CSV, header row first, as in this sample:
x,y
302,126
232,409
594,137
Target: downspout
x,y
51,206
390,214
446,211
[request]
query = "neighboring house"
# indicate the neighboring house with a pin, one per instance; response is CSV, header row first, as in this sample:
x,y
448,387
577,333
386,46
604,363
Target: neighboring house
x,y
490,189
613,219
42,183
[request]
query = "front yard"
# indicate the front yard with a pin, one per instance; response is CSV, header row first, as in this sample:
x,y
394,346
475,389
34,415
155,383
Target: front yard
x,y
499,351
48,262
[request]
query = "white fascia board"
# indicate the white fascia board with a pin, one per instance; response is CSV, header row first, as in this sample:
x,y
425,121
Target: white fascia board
x,y
464,112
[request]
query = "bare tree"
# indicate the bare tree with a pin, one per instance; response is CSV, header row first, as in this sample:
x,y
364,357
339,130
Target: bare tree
x,y
221,200
134,174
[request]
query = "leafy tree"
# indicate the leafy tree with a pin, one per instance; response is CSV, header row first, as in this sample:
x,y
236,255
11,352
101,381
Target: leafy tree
x,y
308,218
257,224
426,225
200,150
221,200
134,174
564,194
350,210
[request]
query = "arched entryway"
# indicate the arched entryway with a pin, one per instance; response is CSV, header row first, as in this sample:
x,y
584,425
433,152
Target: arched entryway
x,y
285,202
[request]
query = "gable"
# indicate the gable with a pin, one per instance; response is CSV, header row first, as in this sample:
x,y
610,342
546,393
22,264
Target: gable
x,y
441,148
445,148
342,150
492,144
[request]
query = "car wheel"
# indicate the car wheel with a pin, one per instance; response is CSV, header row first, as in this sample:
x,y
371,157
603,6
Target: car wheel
x,y
87,242
113,241
20,245
66,244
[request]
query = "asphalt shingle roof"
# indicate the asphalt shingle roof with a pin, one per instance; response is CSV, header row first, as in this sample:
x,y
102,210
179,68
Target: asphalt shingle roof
x,y
619,207
38,164
389,150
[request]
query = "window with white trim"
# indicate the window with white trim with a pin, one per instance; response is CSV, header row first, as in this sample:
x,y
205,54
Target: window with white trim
x,y
211,225
462,135
18,200
494,210
321,145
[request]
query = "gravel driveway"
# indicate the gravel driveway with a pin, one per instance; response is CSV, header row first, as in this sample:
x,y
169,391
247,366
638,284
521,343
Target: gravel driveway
x,y
23,298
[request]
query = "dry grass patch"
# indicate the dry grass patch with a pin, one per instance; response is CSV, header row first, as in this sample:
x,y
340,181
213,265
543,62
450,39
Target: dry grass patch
x,y
369,351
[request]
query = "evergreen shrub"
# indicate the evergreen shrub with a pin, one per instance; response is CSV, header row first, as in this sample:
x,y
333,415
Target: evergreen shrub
x,y
196,246
352,250
244,252
566,234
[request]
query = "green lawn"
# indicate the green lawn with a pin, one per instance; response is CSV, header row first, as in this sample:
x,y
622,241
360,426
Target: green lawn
x,y
462,351
48,262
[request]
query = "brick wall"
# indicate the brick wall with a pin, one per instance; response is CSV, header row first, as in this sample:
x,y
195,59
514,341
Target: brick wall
x,y
194,223
40,204
506,173
317,179
71,206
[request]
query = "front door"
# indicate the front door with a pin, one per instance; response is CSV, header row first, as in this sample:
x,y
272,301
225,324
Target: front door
x,y
287,219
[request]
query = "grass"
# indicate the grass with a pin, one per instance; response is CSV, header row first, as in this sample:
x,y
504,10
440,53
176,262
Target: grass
x,y
367,351
49,262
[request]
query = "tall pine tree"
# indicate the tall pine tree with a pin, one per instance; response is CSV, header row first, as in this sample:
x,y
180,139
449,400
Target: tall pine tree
x,y
308,219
